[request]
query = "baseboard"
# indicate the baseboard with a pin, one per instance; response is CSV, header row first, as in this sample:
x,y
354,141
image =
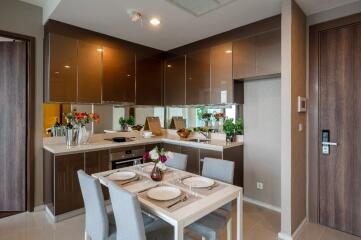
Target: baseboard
x,y
262,204
39,208
285,236
63,216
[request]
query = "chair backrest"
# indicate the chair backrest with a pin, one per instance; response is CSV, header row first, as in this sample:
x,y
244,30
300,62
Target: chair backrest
x,y
96,218
127,213
178,161
218,169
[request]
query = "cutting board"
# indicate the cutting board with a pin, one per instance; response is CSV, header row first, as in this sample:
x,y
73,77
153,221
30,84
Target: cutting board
x,y
153,124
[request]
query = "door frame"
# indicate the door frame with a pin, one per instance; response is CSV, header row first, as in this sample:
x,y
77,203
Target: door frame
x,y
313,110
30,113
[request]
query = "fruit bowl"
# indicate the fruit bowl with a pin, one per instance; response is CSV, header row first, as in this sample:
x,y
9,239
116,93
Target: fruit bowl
x,y
183,132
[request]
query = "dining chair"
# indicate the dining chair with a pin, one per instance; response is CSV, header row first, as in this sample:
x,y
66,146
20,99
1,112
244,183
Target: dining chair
x,y
131,223
98,222
178,161
210,226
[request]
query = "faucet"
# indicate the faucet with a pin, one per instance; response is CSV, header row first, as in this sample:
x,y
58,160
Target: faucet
x,y
206,134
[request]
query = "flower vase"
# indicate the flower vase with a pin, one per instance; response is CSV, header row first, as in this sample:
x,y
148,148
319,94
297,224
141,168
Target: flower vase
x,y
156,173
216,125
71,136
83,136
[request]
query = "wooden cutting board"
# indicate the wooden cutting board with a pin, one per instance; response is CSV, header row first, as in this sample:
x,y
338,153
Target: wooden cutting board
x,y
177,123
153,124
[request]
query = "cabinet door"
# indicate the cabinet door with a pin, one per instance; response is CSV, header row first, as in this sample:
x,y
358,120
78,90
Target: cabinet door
x,y
118,75
89,73
244,58
97,161
172,147
268,53
67,192
193,163
149,81
221,74
61,58
175,82
198,77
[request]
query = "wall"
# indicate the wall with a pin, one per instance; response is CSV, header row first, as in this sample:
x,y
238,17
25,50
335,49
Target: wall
x,y
262,118
293,137
22,18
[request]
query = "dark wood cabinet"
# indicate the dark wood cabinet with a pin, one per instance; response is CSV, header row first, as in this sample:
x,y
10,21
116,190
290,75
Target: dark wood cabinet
x,y
257,56
175,82
235,154
61,59
172,147
118,75
89,73
149,80
66,187
193,163
198,77
221,74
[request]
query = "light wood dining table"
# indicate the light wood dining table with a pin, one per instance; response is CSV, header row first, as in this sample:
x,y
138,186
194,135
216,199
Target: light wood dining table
x,y
185,215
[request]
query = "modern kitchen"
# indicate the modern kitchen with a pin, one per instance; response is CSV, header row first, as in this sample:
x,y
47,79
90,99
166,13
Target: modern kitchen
x,y
173,119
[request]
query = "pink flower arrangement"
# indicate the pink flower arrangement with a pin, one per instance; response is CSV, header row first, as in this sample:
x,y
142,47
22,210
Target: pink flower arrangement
x,y
157,155
81,118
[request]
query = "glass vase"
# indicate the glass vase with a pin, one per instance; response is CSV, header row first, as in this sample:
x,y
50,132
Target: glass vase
x,y
156,174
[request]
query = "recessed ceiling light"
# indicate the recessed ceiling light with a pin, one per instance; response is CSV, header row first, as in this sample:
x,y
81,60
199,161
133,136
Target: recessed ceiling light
x,y
67,66
228,51
154,21
100,50
169,66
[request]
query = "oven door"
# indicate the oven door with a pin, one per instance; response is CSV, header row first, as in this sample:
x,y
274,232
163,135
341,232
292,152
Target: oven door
x,y
121,163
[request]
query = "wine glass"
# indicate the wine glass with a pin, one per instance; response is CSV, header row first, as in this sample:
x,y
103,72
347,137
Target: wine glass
x,y
138,164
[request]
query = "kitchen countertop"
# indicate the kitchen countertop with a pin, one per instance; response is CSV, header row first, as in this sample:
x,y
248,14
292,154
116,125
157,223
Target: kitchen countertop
x,y
57,145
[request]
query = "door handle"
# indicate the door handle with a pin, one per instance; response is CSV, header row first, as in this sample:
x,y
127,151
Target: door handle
x,y
330,143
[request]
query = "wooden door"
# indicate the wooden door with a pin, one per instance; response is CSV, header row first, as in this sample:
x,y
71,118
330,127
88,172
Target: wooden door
x,y
118,75
221,74
89,73
13,126
62,71
149,81
175,82
340,113
198,77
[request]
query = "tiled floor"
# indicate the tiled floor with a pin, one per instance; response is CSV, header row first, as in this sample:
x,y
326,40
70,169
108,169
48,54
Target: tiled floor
x,y
259,224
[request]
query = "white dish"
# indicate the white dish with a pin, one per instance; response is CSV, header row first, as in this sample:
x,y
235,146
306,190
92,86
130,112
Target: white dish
x,y
164,193
121,176
198,182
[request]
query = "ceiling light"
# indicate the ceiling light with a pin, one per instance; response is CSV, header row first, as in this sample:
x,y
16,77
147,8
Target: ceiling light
x,y
67,66
154,21
228,51
100,50
169,66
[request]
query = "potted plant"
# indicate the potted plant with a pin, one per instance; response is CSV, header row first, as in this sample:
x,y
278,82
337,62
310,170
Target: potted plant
x,y
76,132
126,122
228,129
239,130
159,157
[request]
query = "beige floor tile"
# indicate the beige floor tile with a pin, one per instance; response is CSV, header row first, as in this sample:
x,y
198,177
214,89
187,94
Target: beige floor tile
x,y
331,234
311,232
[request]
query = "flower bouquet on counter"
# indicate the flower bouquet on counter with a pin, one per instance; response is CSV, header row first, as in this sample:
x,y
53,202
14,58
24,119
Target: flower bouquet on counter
x,y
76,132
159,156
206,117
219,117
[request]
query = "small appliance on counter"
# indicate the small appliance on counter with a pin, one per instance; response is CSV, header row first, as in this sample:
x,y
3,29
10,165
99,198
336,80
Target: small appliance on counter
x,y
119,139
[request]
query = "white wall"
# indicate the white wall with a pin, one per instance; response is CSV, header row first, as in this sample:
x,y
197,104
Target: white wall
x,y
22,18
262,137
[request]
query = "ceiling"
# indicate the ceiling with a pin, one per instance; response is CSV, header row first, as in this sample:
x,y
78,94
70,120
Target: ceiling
x,y
178,26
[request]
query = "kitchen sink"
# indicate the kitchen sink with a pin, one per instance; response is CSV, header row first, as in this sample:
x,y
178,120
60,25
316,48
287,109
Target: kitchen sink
x,y
199,140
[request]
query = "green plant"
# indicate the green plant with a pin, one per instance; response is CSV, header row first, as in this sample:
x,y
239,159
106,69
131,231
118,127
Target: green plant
x,y
122,121
127,121
239,126
229,126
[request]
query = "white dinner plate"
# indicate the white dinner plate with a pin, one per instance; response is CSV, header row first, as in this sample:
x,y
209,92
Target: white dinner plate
x,y
198,182
121,176
164,193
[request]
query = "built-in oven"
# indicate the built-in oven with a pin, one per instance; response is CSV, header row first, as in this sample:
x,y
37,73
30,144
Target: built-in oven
x,y
125,157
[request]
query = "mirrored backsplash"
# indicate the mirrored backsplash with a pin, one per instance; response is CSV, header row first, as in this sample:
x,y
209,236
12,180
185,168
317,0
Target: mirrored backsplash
x,y
192,116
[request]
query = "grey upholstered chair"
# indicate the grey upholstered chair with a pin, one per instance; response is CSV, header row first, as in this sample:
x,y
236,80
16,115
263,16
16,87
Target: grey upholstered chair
x,y
209,226
178,161
131,223
97,223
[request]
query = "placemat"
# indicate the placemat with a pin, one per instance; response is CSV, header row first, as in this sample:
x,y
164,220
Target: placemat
x,y
170,205
124,183
202,191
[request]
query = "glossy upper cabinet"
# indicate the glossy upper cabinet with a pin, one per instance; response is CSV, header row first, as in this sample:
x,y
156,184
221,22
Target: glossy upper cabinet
x,y
221,74
175,82
149,80
89,73
61,68
257,56
198,77
118,75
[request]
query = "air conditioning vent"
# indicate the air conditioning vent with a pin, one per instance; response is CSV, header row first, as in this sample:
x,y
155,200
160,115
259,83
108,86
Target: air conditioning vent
x,y
200,7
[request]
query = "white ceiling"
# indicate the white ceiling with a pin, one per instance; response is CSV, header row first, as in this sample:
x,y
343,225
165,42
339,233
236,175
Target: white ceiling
x,y
178,27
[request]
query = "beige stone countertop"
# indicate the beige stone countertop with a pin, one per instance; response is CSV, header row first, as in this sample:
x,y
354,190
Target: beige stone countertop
x,y
56,145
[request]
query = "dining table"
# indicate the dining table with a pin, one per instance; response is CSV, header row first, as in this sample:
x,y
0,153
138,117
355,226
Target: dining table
x,y
197,203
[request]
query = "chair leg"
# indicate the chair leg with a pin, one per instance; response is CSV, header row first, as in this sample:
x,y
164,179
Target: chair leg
x,y
203,238
229,229
86,236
